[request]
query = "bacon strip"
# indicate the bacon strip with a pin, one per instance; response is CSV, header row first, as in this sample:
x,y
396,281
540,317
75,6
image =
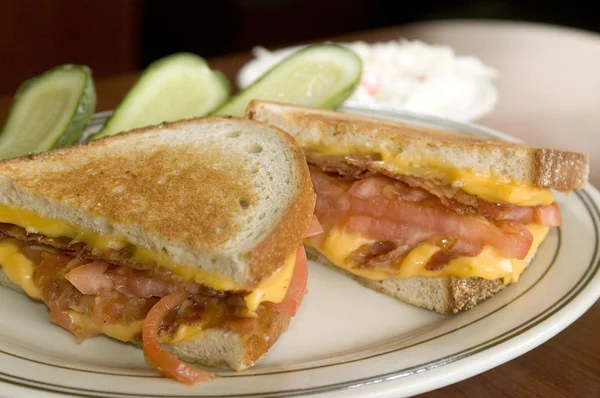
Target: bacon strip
x,y
461,202
101,278
458,249
356,168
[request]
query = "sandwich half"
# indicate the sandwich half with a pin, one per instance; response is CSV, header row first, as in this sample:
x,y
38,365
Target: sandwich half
x,y
437,219
183,238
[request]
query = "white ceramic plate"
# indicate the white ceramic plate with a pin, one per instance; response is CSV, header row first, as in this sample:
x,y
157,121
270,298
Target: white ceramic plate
x,y
346,340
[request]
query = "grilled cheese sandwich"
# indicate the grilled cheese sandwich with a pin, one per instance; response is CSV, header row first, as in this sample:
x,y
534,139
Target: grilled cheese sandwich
x,y
435,218
187,233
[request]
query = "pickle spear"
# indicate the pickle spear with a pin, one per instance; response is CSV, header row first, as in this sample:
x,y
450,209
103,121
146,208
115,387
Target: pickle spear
x,y
321,75
175,87
49,111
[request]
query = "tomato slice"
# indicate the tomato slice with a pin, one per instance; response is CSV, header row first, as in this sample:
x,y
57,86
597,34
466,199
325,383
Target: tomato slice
x,y
297,289
167,363
314,227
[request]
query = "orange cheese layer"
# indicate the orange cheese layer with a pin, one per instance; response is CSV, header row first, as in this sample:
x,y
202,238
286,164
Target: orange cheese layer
x,y
19,269
337,246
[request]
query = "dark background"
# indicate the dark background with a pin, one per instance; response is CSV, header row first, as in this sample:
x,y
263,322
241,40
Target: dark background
x,y
119,36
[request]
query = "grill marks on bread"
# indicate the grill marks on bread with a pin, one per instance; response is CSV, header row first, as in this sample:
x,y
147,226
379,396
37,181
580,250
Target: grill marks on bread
x,y
124,188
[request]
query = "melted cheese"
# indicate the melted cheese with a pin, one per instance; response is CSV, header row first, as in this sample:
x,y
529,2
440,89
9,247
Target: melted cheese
x,y
492,188
274,288
131,331
124,332
33,223
489,264
18,268
184,333
217,282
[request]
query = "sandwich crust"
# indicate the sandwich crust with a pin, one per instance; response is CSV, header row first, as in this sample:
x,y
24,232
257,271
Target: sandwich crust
x,y
517,163
226,195
292,223
356,144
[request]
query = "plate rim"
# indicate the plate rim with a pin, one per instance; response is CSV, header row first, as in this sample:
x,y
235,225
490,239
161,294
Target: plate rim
x,y
588,196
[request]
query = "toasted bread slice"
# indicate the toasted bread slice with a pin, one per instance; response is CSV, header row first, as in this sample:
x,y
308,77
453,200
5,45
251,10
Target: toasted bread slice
x,y
446,295
315,129
224,195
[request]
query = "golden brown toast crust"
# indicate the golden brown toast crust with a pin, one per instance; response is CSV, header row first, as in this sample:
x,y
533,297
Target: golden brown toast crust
x,y
257,344
288,233
175,191
539,167
275,248
266,257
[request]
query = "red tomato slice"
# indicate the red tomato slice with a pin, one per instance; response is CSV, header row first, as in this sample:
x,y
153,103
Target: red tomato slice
x,y
167,363
548,215
297,289
314,227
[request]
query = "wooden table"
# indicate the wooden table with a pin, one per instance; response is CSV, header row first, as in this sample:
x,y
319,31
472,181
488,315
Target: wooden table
x,y
549,95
